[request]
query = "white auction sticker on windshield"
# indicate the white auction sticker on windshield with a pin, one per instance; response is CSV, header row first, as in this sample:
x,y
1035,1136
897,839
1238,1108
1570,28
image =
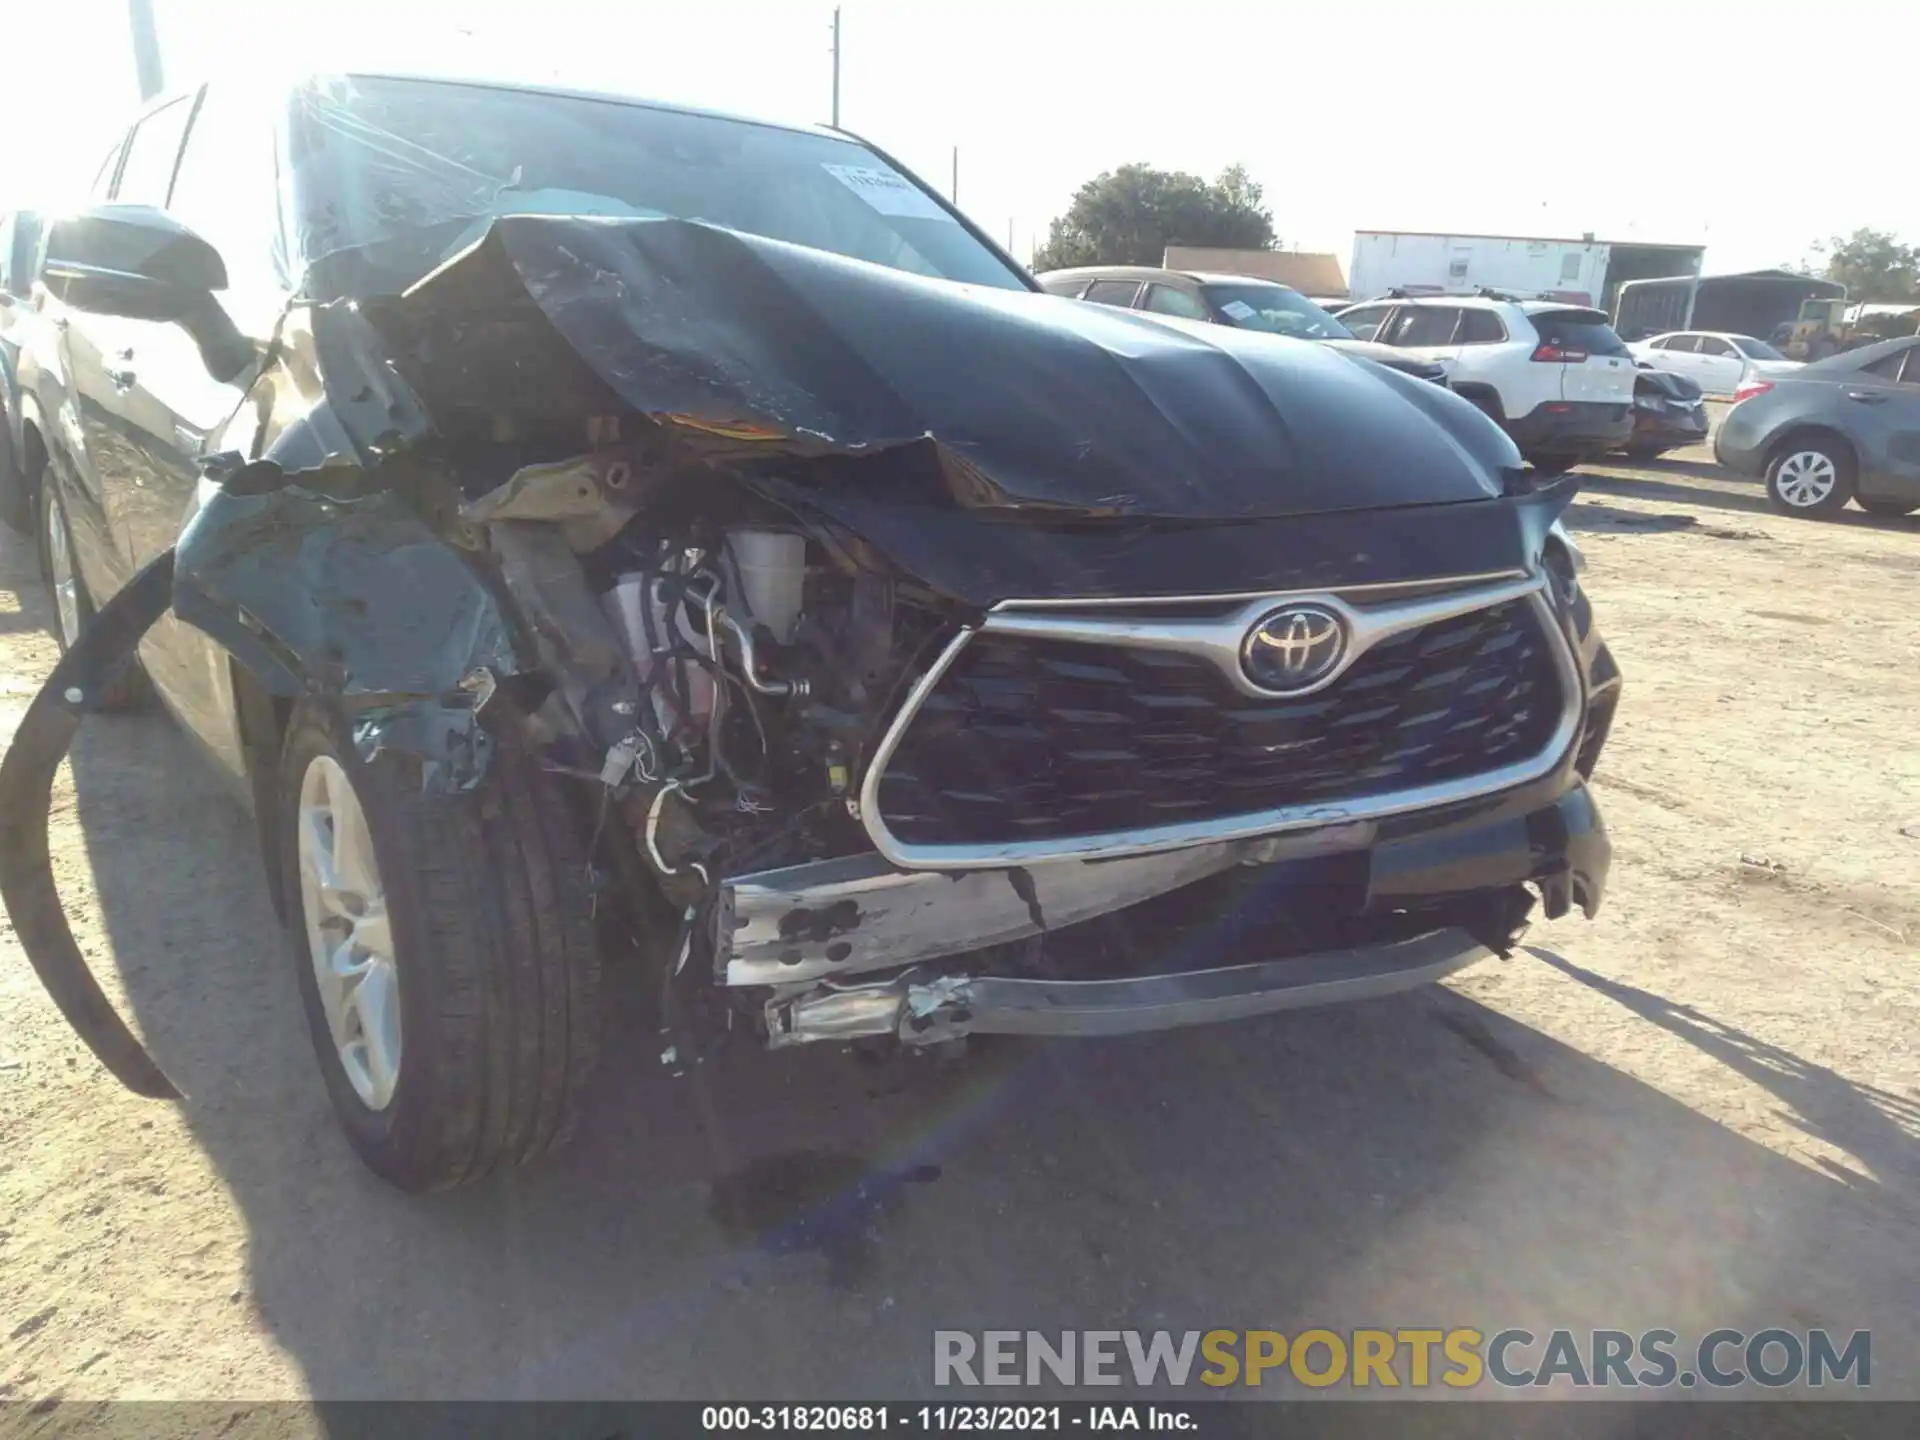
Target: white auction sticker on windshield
x,y
1237,309
886,192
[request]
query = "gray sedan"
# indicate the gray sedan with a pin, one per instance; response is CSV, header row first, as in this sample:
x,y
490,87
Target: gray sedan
x,y
1843,428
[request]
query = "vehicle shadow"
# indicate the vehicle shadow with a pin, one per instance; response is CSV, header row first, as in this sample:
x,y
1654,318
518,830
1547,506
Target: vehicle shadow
x,y
1749,499
798,1226
1880,1127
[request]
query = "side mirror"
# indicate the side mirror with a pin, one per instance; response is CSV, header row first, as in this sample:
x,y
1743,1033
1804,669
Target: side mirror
x,y
142,264
131,261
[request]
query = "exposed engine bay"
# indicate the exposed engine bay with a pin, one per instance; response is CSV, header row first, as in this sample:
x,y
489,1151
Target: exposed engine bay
x,y
723,670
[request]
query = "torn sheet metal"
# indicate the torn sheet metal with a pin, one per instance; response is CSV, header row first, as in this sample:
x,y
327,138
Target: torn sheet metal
x,y
358,599
448,741
748,347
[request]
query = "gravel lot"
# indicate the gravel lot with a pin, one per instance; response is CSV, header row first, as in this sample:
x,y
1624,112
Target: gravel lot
x,y
1702,1110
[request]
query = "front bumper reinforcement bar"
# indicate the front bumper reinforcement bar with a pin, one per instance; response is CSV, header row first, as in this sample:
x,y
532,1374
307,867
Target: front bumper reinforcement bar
x,y
925,1007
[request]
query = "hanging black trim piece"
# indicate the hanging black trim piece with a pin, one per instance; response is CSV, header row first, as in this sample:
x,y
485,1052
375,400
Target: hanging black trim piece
x,y
26,792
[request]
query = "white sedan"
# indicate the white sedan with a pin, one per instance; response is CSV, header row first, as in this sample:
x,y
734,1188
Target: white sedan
x,y
1718,362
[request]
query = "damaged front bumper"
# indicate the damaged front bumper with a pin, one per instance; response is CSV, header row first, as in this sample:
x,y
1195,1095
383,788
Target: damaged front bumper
x,y
925,1012
1025,952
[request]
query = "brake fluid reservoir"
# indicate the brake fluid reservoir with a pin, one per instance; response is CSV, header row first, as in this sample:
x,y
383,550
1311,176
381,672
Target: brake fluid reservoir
x,y
773,573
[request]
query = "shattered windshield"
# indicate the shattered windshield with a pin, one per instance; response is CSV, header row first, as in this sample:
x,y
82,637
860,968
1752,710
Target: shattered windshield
x,y
390,177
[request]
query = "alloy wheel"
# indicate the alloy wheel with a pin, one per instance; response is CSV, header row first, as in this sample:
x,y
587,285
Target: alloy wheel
x,y
60,576
349,937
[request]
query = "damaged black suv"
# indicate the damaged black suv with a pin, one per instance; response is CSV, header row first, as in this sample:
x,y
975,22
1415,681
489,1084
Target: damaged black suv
x,y
550,507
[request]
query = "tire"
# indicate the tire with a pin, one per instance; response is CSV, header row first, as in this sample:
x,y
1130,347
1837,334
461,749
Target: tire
x,y
1812,477
71,606
1894,508
1644,453
489,950
16,499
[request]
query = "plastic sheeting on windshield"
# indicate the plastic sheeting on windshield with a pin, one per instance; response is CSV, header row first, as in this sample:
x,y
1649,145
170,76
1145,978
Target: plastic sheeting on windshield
x,y
361,185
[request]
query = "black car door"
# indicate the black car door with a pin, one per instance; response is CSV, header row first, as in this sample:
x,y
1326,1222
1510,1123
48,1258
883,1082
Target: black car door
x,y
224,189
78,399
117,368
121,429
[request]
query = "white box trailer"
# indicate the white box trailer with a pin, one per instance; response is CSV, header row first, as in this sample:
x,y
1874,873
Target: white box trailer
x,y
1583,271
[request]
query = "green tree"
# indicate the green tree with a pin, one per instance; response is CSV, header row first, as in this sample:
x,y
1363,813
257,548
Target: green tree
x,y
1129,216
1873,265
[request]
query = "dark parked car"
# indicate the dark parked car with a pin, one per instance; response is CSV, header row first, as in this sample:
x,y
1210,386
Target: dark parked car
x,y
19,252
1668,413
1844,428
793,580
1238,300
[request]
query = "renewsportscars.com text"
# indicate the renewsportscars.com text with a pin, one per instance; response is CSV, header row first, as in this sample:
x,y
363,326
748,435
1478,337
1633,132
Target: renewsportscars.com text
x,y
1459,1359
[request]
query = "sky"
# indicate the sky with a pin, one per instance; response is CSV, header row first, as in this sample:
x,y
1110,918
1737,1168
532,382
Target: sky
x,y
1753,128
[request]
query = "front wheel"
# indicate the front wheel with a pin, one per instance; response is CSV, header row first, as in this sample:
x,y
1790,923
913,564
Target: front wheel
x,y
1813,478
16,498
72,606
1894,508
445,952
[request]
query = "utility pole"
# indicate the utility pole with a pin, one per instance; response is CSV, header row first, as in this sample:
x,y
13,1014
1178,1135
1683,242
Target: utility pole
x,y
146,48
836,67
954,190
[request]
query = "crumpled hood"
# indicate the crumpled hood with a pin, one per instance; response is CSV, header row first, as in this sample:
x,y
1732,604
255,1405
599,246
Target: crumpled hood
x,y
1030,402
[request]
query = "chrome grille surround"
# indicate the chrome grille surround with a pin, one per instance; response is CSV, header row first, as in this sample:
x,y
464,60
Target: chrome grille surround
x,y
1372,614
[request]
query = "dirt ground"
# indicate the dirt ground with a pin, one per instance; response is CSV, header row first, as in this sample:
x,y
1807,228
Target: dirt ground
x,y
1701,1110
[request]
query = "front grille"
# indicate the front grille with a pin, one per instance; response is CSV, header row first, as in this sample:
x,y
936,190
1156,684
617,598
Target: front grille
x,y
1032,739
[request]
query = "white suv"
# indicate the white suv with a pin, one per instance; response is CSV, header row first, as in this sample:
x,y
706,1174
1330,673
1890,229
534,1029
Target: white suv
x,y
1554,375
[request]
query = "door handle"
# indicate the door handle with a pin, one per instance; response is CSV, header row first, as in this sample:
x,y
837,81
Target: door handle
x,y
1866,397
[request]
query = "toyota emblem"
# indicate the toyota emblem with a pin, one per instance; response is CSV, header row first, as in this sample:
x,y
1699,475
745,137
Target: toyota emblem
x,y
1293,648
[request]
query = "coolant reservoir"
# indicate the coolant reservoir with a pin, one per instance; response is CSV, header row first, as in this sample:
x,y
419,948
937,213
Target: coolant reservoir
x,y
773,573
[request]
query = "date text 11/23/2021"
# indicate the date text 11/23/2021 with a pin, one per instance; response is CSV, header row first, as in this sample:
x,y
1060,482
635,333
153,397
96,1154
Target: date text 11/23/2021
x,y
938,1419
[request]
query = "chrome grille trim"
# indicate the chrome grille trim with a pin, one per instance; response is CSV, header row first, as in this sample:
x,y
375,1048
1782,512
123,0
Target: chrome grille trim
x,y
1382,590
1148,840
1219,638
